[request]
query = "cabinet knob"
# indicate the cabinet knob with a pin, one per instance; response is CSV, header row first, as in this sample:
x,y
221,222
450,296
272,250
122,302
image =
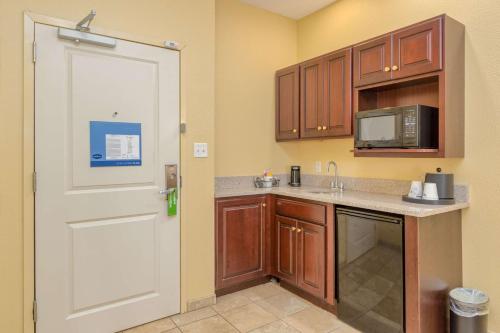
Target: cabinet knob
x,y
293,228
319,128
324,128
294,130
299,230
395,68
387,69
264,205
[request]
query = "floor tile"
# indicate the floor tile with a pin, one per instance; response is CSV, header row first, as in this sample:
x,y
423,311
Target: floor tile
x,y
283,304
346,329
158,326
262,291
214,324
276,327
173,330
189,317
249,317
231,301
313,320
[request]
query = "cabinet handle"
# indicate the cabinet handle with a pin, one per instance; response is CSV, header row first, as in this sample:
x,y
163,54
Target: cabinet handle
x,y
395,68
387,69
264,205
294,130
299,230
293,228
324,128
319,128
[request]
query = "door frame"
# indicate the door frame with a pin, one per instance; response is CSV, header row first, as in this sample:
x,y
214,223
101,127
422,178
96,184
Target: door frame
x,y
28,198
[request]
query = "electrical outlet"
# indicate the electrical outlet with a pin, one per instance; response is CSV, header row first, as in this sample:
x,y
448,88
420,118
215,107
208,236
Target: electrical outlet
x,y
200,150
317,166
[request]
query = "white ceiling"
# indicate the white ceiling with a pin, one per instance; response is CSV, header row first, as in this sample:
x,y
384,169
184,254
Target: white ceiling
x,y
295,9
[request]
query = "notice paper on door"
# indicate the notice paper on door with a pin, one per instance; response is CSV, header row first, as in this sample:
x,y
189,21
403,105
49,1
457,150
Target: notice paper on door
x,y
115,144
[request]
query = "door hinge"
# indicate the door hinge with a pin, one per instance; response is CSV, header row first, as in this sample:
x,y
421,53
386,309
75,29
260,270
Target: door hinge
x,y
35,311
34,181
180,181
34,52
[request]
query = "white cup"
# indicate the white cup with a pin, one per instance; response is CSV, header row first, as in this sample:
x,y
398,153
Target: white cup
x,y
430,191
415,189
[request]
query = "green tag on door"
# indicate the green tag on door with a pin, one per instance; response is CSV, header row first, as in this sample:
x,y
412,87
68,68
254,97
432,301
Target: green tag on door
x,y
172,203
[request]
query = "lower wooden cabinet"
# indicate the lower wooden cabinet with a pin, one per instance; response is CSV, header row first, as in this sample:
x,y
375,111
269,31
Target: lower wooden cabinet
x,y
253,239
242,240
286,249
311,258
300,254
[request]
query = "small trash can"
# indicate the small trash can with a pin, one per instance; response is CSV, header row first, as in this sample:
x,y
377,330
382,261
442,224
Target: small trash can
x,y
468,311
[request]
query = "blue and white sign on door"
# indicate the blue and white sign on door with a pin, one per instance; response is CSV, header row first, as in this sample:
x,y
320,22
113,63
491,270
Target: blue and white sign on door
x,y
115,144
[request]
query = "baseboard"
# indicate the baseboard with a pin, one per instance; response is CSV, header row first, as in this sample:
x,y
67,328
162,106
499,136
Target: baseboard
x,y
199,303
242,285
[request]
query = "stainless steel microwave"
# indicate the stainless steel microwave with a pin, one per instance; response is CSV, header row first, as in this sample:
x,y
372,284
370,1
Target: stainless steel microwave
x,y
413,126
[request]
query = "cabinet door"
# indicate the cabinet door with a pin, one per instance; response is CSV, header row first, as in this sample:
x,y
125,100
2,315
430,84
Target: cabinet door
x,y
241,239
311,94
287,103
417,50
285,242
337,118
372,61
311,258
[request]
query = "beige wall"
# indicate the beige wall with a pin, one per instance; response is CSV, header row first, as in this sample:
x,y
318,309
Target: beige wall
x,y
250,45
189,21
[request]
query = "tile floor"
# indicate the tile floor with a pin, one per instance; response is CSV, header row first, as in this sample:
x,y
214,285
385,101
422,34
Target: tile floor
x,y
267,308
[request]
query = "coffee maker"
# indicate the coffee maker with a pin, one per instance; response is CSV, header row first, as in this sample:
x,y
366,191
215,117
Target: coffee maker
x,y
294,176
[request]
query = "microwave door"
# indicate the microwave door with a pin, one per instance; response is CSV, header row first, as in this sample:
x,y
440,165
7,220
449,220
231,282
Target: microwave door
x,y
379,131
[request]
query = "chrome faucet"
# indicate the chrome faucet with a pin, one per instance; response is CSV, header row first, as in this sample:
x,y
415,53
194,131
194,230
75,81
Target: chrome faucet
x,y
334,184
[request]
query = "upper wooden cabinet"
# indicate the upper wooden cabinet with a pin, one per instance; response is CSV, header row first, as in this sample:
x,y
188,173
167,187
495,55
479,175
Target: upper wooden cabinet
x,y
242,240
311,98
417,50
407,52
325,98
426,67
372,61
287,103
337,105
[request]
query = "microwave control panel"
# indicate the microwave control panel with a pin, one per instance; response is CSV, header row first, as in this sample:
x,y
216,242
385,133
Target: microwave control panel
x,y
410,126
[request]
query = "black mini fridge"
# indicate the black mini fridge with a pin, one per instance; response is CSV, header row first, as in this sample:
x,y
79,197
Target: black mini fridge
x,y
370,270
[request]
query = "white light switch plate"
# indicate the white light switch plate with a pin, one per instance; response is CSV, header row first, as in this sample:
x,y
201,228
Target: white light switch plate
x,y
317,166
200,150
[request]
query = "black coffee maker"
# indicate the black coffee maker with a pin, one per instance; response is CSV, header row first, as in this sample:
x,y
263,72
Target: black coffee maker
x,y
294,176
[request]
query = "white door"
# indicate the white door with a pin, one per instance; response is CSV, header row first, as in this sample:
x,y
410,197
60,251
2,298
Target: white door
x,y
107,254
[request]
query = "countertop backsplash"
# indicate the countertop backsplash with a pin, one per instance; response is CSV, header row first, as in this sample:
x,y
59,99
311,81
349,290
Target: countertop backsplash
x,y
372,185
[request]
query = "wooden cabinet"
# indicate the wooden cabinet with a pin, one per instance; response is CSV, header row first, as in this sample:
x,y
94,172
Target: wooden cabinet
x,y
417,49
325,98
242,241
287,103
311,258
337,105
300,246
427,67
311,99
286,250
372,61
407,52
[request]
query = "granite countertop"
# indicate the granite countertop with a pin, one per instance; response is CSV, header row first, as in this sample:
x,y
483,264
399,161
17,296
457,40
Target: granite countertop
x,y
376,201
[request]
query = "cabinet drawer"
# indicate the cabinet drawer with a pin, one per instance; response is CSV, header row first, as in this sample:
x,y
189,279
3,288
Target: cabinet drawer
x,y
301,210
